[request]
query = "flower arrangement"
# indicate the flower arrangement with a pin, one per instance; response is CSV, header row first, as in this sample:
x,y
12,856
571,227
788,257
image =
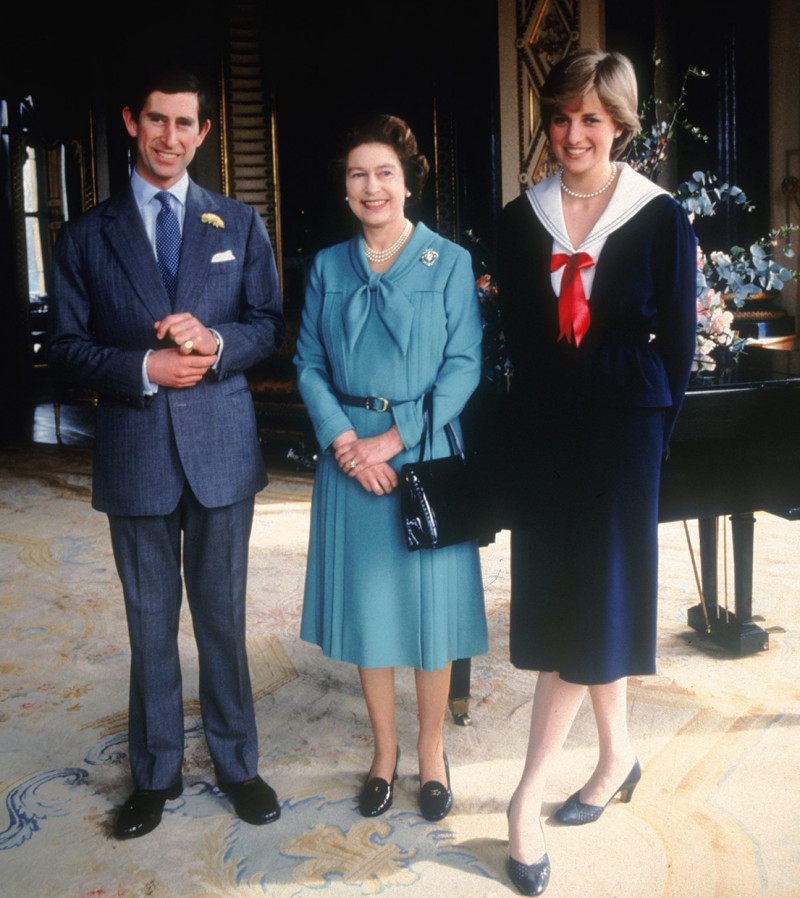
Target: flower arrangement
x,y
496,365
733,277
718,345
649,147
743,273
723,278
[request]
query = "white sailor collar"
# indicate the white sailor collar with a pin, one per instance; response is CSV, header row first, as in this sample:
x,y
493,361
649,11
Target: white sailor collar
x,y
632,192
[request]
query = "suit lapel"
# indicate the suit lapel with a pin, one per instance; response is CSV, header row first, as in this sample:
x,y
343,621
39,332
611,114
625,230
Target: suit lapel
x,y
128,241
196,249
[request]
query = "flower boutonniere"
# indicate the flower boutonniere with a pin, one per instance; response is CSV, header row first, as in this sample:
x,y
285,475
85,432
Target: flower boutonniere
x,y
210,218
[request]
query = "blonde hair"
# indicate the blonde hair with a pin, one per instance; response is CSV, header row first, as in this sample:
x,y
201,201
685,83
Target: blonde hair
x,y
610,74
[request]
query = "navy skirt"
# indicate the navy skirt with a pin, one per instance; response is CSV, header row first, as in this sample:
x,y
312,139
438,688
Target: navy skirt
x,y
584,566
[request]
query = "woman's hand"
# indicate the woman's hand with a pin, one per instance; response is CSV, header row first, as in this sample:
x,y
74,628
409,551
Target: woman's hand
x,y
343,439
366,459
379,479
354,455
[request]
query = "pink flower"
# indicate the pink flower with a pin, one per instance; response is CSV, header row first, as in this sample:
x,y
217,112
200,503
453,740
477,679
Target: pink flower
x,y
719,323
705,309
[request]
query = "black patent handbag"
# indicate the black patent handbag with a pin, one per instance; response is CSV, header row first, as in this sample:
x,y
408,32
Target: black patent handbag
x,y
437,496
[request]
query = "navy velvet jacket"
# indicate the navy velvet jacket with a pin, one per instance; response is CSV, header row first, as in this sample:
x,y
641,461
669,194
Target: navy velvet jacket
x,y
645,284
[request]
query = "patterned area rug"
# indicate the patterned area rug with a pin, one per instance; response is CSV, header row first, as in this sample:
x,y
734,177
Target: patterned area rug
x,y
716,814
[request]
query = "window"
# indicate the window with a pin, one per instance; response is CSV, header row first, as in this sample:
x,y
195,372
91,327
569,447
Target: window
x,y
35,224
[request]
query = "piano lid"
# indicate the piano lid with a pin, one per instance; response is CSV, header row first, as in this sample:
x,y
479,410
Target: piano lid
x,y
772,359
735,448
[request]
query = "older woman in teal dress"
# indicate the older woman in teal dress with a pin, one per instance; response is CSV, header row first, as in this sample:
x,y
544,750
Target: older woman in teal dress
x,y
389,315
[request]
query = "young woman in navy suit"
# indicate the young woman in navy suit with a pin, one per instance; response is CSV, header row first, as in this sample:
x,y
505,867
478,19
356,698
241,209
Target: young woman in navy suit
x,y
597,285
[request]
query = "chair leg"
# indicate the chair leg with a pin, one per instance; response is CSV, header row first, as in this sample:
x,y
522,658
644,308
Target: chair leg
x,y
460,674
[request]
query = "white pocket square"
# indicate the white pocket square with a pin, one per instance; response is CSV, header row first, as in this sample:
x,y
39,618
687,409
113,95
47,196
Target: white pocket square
x,y
227,256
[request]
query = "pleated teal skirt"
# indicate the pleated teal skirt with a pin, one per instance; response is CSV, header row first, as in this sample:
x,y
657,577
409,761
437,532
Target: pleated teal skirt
x,y
370,601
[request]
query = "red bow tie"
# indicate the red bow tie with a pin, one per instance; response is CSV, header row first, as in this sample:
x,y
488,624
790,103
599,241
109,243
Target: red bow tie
x,y
573,309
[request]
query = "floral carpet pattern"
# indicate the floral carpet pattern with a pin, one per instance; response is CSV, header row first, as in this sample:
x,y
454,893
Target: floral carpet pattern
x,y
716,813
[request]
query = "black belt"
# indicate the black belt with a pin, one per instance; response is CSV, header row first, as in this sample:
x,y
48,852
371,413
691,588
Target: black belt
x,y
370,403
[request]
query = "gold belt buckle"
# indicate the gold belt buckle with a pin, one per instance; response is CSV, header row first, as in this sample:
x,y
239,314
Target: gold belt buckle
x,y
376,404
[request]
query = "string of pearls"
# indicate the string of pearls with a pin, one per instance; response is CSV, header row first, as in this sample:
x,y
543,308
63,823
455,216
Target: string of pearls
x,y
383,255
588,196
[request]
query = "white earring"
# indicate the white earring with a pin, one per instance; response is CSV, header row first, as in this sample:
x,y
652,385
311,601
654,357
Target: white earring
x,y
408,193
347,199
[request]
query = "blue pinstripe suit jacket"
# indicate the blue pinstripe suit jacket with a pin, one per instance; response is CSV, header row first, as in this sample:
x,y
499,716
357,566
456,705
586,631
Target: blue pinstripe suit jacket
x,y
106,295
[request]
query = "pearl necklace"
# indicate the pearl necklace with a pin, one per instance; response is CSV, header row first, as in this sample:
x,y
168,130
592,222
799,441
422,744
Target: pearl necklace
x,y
383,255
588,196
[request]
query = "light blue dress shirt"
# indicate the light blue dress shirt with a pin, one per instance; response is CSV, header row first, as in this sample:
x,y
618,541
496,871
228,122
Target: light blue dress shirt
x,y
144,193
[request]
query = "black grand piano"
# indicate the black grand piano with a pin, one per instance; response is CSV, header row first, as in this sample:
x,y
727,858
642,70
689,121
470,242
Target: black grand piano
x,y
736,450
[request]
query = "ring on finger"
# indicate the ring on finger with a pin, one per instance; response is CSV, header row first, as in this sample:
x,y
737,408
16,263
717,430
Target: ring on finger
x,y
189,344
353,464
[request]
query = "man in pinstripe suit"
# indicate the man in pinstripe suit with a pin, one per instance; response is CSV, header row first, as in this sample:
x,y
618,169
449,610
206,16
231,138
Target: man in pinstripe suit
x,y
162,297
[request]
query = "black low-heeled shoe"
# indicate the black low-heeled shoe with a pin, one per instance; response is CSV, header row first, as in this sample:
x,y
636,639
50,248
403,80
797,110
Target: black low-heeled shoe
x,y
530,879
575,813
377,795
435,799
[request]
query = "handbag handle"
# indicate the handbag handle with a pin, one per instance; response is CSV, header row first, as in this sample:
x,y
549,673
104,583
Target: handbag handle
x,y
427,432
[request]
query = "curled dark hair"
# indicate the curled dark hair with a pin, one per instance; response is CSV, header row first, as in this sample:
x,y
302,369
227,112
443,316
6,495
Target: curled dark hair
x,y
169,79
394,133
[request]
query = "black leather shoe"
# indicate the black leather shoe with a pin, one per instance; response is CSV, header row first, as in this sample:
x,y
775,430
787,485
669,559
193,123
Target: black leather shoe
x,y
575,813
377,795
530,879
435,799
142,812
253,800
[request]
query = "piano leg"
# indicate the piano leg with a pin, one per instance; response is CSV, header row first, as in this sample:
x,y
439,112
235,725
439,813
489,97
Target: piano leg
x,y
735,630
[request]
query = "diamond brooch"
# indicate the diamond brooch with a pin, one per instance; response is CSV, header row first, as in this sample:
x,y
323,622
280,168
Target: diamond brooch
x,y
429,257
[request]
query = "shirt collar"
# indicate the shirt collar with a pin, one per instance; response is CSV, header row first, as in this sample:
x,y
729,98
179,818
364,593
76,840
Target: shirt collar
x,y
144,191
632,192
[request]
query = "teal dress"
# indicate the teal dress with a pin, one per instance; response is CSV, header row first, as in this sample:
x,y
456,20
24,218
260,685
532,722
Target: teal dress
x,y
368,600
